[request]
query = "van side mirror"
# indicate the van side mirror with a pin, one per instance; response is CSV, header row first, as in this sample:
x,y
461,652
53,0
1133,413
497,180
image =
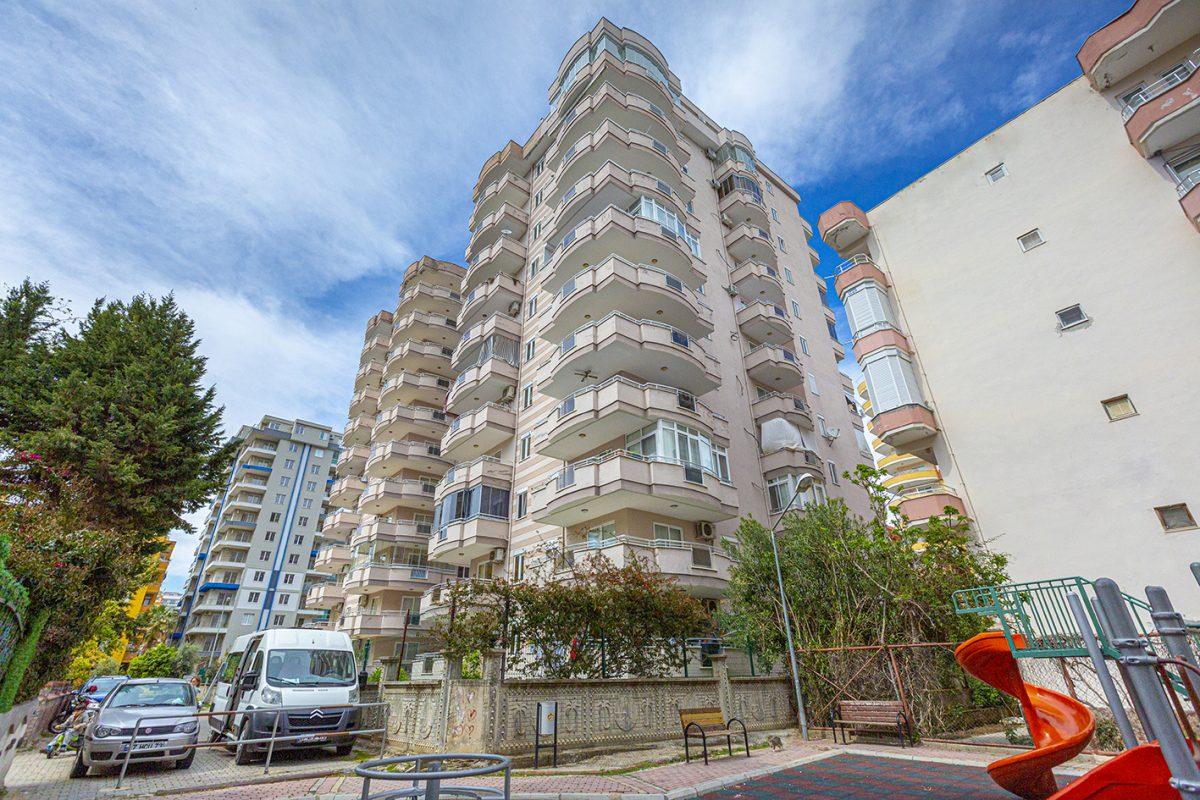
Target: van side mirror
x,y
249,682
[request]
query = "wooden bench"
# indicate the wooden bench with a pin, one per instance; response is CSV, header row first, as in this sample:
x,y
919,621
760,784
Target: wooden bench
x,y
701,723
852,716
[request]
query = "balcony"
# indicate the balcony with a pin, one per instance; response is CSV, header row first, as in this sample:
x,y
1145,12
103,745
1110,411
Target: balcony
x,y
462,541
381,496
781,405
633,150
369,375
384,623
389,458
365,401
508,159
430,298
380,324
412,355
597,414
904,481
625,76
358,429
842,226
507,221
479,431
1167,112
630,111
406,531
506,256
245,501
613,185
744,204
877,337
1189,197
484,469
907,427
919,506
352,460
792,461
408,388
765,323
635,239
774,367
600,486
639,291
649,351
325,595
500,295
1136,38
492,380
340,523
435,601
510,189
332,557
701,569
401,422
435,328
857,268
345,491
473,339
755,280
375,349
751,243
368,576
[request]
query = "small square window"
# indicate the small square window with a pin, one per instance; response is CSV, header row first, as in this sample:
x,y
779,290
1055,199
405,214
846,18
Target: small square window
x,y
996,173
1175,517
1119,407
1030,240
1070,316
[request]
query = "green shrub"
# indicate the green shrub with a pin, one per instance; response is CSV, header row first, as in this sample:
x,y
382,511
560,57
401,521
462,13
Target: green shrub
x,y
472,665
157,662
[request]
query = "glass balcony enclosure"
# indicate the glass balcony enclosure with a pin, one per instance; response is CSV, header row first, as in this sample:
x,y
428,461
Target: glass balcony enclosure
x,y
781,489
650,208
622,52
471,503
739,183
680,444
735,152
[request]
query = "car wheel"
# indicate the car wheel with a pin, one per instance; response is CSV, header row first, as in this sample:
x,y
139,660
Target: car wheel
x,y
344,749
79,769
244,755
186,761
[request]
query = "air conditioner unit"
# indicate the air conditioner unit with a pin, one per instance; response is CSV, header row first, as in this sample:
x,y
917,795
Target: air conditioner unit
x,y
713,183
514,308
509,393
497,555
712,154
731,290
705,530
726,221
832,433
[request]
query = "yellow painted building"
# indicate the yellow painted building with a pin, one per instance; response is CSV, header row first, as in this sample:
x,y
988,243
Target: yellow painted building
x,y
145,598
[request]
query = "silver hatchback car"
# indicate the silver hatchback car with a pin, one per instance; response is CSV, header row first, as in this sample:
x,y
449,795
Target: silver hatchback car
x,y
168,709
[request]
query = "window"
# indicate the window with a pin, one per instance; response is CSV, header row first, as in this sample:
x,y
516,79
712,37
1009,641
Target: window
x,y
274,516
254,597
530,348
285,481
833,474
317,453
289,579
264,555
686,401
782,489
804,346
277,620
247,619
311,486
300,429
522,503
1070,316
526,396
534,264
787,273
302,521
270,537
782,245
294,558
537,231
891,382
1175,517
283,599
868,308
1119,407
316,469
537,198
524,447
602,535
812,385
821,424
1030,240
259,575
795,309
998,172
306,503
538,167
519,567
667,533
774,215
298,538
293,447
289,463
532,308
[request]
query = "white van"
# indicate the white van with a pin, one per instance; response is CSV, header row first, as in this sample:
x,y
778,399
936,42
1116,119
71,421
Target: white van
x,y
287,667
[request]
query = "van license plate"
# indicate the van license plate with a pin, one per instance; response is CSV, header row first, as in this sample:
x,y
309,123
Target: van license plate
x,y
312,740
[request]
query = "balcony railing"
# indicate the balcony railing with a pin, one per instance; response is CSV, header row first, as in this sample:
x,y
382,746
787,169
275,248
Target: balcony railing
x,y
853,261
1189,182
565,478
1160,86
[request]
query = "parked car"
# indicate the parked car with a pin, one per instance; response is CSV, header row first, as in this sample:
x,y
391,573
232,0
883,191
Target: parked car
x,y
168,709
90,695
98,686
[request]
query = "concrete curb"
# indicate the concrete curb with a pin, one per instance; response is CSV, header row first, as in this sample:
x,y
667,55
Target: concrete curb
x,y
230,784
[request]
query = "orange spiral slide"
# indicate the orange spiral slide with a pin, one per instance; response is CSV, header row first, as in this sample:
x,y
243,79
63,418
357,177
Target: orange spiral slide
x,y
1060,727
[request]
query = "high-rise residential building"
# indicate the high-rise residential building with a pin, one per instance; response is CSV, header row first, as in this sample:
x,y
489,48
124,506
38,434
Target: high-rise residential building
x,y
638,354
1013,343
257,549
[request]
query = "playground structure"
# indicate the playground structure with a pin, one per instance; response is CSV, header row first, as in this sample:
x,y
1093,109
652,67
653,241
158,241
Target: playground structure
x,y
1154,653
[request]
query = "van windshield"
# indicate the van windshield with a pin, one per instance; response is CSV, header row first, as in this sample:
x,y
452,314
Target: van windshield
x,y
310,668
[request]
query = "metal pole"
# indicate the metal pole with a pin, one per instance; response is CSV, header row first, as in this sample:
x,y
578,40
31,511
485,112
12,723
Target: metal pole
x,y
403,644
271,744
387,721
787,622
128,753
1170,625
1101,666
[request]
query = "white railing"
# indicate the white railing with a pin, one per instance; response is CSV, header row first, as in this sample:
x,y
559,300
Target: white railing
x,y
788,355
853,261
565,478
1189,182
1160,86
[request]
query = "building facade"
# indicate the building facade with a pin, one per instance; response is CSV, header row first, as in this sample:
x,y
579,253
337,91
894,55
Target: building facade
x,y
1024,316
638,354
257,550
146,597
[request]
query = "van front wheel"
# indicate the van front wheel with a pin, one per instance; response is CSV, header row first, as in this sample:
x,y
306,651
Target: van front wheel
x,y
243,756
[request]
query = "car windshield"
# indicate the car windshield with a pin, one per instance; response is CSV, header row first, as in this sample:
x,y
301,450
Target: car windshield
x,y
138,695
310,668
102,685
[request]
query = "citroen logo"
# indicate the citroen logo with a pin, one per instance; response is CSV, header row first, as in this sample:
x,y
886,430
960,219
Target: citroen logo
x,y
316,714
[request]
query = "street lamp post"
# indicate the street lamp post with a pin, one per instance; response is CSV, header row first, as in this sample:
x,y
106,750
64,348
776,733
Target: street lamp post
x,y
787,622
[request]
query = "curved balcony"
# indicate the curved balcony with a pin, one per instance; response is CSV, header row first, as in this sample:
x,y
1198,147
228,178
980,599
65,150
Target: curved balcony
x,y
639,291
597,414
508,159
435,601
504,257
408,388
782,405
384,623
446,274
344,492
341,523
430,298
462,541
755,280
904,481
412,355
493,380
1165,113
909,426
468,349
245,501
612,185
751,243
633,150
329,594
389,458
380,324
358,429
365,401
405,531
878,336
381,496
636,239
368,576
630,111
774,367
700,569
374,349
932,501
500,295
792,461
617,344
435,328
625,76
332,557
506,221
510,189
763,322
479,431
1137,37
484,469
402,422
745,207
352,460
1189,198
617,480
843,225
855,269
369,375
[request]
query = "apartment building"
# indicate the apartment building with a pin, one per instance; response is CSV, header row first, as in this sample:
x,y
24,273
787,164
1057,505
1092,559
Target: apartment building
x,y
258,546
638,354
145,597
1024,316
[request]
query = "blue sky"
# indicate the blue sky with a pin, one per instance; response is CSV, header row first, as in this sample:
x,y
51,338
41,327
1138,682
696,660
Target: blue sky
x,y
277,165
